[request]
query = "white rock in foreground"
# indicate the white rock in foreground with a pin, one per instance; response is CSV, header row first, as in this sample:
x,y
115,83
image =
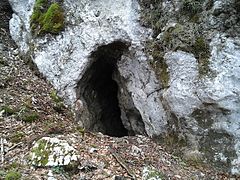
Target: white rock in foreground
x,y
49,151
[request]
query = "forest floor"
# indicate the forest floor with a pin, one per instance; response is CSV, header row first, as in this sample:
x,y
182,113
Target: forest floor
x,y
29,111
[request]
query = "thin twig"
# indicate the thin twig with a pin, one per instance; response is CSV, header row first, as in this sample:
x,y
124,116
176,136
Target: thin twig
x,y
2,150
121,162
14,146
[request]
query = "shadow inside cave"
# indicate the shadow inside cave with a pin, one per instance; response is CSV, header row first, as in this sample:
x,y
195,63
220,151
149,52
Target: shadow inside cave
x,y
100,91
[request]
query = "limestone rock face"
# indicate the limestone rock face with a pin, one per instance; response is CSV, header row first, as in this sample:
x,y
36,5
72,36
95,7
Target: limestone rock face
x,y
188,83
65,58
199,42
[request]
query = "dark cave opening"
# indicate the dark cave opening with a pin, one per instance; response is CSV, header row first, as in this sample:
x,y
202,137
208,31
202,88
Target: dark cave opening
x,y
100,90
5,15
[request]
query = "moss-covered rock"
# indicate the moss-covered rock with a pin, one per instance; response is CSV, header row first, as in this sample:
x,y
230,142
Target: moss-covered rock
x,y
52,152
47,18
150,173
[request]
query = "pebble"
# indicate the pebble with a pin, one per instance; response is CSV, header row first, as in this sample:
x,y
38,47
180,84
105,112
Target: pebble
x,y
50,175
177,176
15,52
93,150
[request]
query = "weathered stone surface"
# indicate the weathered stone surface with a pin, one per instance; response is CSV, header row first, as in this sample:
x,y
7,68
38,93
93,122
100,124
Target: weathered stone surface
x,y
52,152
65,58
150,173
203,87
199,44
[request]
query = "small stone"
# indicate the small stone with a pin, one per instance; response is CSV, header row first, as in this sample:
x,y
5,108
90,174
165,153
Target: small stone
x,y
177,176
93,150
15,52
88,166
50,175
136,151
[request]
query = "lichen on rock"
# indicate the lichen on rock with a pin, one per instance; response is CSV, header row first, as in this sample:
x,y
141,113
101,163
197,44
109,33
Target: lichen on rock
x,y
52,152
150,173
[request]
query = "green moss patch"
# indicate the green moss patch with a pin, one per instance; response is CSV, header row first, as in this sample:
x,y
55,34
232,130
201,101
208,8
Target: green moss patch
x,y
161,69
191,7
47,18
58,102
28,115
16,137
151,173
13,175
201,51
41,153
8,110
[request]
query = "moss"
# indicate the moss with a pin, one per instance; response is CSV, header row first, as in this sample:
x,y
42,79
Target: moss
x,y
158,64
41,152
191,7
151,15
58,102
55,97
30,116
154,174
8,111
47,18
16,137
216,141
53,19
13,175
187,39
201,51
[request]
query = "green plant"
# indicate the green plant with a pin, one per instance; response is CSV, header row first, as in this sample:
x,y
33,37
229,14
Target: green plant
x,y
28,115
58,170
16,137
41,152
47,18
55,97
13,175
7,110
58,102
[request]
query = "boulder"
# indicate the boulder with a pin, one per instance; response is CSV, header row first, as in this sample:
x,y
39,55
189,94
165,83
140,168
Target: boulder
x,y
49,152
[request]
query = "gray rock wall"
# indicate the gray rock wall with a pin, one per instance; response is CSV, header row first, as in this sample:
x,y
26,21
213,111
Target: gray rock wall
x,y
196,45
63,59
199,42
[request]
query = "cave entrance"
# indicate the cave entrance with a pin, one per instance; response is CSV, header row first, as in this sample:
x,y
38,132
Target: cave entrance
x,y
99,90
